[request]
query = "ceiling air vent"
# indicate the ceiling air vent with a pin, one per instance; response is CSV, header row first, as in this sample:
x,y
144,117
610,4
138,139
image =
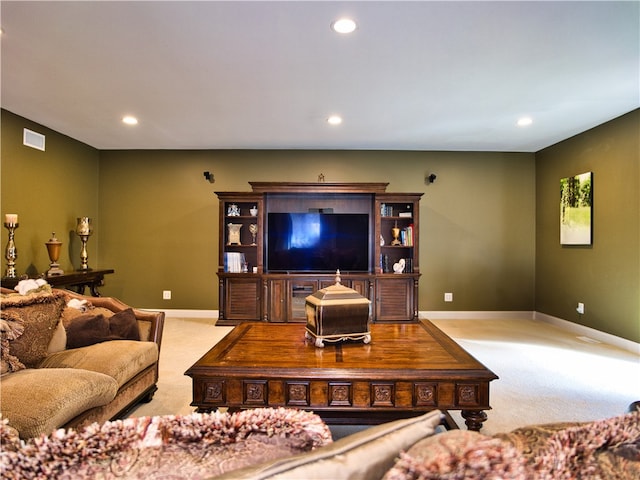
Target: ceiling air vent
x,y
33,139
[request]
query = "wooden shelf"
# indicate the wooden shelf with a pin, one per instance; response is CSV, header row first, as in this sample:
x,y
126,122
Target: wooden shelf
x,y
275,296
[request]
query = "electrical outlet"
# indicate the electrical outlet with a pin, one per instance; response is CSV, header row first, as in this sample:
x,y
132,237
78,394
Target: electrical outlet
x,y
166,294
580,308
448,297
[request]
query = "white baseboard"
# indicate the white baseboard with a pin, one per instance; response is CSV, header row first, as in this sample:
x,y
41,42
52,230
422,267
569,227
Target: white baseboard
x,y
581,330
475,315
590,333
177,313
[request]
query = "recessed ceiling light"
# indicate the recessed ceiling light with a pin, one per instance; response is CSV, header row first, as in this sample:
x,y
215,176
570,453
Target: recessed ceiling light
x,y
334,120
344,25
129,120
525,121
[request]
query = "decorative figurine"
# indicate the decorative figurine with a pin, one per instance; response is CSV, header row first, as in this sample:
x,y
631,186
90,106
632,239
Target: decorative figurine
x,y
253,228
233,210
234,233
399,267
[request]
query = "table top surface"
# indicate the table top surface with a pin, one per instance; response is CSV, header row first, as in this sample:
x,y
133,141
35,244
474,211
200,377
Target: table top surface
x,y
66,277
396,351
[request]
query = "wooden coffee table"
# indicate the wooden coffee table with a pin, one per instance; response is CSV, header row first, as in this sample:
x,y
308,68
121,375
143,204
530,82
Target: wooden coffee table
x,y
407,369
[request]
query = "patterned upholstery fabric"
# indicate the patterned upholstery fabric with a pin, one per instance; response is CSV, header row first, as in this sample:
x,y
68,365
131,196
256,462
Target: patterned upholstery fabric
x,y
196,446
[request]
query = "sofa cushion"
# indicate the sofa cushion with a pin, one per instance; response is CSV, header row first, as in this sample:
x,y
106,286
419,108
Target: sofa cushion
x,y
37,401
605,449
196,446
40,313
364,455
459,454
120,359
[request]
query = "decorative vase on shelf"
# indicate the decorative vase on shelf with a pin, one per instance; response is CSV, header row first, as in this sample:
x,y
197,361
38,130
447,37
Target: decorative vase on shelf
x,y
395,231
254,211
253,229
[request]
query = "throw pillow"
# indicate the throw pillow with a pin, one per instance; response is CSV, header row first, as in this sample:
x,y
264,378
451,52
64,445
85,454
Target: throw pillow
x,y
196,446
89,329
608,448
40,314
59,340
9,437
11,327
459,454
123,325
365,455
69,314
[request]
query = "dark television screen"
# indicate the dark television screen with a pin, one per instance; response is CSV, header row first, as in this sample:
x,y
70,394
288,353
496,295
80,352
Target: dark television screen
x,y
317,242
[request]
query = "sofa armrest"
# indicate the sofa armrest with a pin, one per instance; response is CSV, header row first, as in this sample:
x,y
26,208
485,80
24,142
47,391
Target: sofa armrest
x,y
154,321
151,323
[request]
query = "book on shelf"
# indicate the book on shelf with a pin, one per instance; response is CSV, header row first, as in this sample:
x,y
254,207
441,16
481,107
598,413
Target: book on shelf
x,y
384,263
408,265
234,262
386,210
406,236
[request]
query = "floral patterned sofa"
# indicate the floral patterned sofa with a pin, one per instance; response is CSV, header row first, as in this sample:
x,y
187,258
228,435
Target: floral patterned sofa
x,y
261,444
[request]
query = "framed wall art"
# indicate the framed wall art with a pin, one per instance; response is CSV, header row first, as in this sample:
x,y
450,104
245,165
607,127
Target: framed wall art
x,y
576,210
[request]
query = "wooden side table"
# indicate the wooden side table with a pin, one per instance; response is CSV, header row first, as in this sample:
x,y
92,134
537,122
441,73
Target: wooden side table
x,y
78,280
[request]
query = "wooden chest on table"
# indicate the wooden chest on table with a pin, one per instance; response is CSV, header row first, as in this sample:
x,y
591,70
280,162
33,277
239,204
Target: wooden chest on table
x,y
337,313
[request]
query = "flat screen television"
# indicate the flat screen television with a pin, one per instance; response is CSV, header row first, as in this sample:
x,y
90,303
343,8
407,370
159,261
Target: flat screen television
x,y
317,242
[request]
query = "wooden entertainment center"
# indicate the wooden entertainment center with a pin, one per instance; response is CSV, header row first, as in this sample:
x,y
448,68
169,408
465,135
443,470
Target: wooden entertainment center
x,y
252,291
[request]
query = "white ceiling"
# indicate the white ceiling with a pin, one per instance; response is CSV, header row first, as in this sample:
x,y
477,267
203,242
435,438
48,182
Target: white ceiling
x,y
417,75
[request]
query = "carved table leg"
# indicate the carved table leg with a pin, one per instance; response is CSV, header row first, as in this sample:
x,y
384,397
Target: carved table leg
x,y
99,282
79,289
474,419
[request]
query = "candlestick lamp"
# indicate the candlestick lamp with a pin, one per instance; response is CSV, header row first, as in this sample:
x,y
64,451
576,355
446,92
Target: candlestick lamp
x,y
84,229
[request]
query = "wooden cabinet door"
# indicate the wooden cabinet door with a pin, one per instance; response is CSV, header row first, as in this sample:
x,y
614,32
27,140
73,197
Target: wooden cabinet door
x,y
299,290
277,304
394,299
362,287
241,299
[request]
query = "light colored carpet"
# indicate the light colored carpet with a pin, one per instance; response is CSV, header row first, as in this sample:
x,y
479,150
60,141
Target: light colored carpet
x,y
547,374
184,341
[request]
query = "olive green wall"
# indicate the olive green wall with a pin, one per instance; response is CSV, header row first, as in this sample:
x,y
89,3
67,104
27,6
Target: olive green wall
x,y
48,190
159,219
606,275
489,224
